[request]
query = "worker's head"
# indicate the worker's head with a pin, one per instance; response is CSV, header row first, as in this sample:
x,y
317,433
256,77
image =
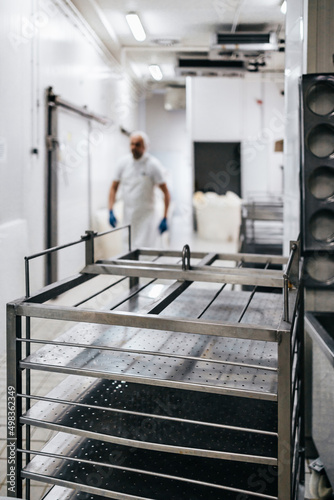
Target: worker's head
x,y
138,144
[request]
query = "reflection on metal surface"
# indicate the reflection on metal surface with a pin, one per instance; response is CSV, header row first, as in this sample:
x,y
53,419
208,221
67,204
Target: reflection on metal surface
x,y
320,327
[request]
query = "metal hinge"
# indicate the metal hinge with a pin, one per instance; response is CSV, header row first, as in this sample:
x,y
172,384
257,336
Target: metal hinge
x,y
51,143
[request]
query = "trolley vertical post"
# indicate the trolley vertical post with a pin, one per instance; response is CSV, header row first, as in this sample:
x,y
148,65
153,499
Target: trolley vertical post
x,y
89,248
134,281
301,328
14,404
51,269
284,416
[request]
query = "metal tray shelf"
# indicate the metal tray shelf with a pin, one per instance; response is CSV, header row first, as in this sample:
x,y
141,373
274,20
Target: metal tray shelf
x,y
100,393
200,362
191,424
62,493
123,472
192,381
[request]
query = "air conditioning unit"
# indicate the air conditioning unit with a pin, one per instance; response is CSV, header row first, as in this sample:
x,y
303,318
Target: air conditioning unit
x,y
202,66
243,41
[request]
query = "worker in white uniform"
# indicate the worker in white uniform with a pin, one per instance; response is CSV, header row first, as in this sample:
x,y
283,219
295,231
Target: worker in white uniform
x,y
138,173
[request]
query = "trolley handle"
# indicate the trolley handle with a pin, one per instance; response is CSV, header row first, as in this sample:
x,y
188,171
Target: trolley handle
x,y
186,258
88,238
287,278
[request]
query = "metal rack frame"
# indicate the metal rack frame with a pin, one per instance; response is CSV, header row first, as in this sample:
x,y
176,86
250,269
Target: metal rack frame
x,y
283,378
262,223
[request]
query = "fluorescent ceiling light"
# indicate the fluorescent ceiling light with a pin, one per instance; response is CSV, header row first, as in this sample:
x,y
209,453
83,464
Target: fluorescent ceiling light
x,y
155,71
136,26
283,7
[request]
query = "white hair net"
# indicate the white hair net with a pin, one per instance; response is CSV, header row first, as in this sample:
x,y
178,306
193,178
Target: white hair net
x,y
143,135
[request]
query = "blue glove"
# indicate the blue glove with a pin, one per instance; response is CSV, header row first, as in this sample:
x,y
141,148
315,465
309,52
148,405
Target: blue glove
x,y
163,226
112,219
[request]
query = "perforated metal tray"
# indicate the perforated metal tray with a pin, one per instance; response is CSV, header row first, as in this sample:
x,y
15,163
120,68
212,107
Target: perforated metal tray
x,y
180,360
61,493
113,471
170,420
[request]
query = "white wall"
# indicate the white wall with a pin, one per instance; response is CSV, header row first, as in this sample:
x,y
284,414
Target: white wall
x,y
242,110
15,163
295,64
41,47
218,109
169,143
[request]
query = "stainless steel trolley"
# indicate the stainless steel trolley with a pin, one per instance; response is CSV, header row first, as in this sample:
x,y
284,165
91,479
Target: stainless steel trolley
x,y
182,386
262,225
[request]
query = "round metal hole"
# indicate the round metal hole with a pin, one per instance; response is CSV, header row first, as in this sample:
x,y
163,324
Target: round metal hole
x,y
320,98
322,226
321,141
321,268
321,183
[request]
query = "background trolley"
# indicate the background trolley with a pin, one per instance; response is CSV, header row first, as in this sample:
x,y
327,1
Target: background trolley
x,y
170,381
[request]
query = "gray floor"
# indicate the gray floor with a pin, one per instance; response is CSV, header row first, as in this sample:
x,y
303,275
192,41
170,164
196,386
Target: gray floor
x,y
45,381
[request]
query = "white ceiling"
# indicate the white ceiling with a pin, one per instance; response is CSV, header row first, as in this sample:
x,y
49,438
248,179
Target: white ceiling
x,y
177,28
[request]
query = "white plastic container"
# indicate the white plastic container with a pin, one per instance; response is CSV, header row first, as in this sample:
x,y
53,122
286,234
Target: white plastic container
x,y
218,216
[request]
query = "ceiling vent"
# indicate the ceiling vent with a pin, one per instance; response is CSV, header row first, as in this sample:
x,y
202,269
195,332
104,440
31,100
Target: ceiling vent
x,y
202,66
244,41
175,98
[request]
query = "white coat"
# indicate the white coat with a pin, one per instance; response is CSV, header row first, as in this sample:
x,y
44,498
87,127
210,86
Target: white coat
x,y
137,180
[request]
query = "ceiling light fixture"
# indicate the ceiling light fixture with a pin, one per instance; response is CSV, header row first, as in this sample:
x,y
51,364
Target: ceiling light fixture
x,y
166,42
283,7
155,71
136,26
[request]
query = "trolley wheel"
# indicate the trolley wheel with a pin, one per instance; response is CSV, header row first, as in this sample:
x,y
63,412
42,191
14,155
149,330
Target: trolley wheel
x,y
320,488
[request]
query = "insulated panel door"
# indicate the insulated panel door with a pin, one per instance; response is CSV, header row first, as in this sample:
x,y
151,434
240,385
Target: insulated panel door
x,y
73,179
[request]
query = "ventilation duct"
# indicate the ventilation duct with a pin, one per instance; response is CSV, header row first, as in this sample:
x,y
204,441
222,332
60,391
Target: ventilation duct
x,y
202,66
249,47
244,41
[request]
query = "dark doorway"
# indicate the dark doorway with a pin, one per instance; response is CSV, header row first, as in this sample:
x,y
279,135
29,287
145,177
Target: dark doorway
x,y
217,167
